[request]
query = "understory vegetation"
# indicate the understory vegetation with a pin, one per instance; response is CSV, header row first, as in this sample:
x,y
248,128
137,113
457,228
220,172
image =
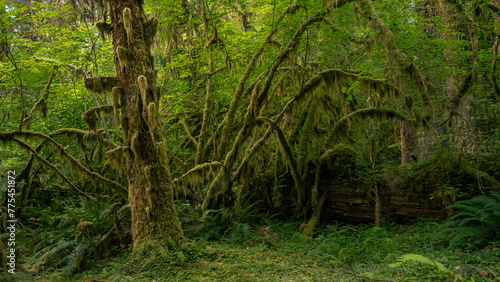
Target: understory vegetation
x,y
271,251
343,140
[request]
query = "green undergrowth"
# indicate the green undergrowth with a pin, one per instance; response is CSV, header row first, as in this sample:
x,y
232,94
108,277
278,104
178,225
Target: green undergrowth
x,y
277,252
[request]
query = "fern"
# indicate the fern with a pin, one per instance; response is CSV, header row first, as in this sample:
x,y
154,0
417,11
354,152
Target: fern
x,y
476,222
239,231
218,224
66,246
426,261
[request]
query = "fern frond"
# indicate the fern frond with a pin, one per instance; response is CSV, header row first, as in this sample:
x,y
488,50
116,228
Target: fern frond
x,y
422,260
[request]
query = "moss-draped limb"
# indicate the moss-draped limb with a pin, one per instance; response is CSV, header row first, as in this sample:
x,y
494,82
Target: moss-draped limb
x,y
253,150
79,71
341,125
210,143
188,133
41,104
293,164
455,100
206,112
101,84
47,163
198,168
237,96
220,185
91,115
7,136
398,61
333,77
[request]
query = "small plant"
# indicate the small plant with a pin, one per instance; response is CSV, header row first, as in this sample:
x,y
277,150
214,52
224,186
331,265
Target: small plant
x,y
426,261
475,223
216,224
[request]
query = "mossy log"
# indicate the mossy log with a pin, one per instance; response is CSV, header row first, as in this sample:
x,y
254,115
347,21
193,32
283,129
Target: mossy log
x,y
406,192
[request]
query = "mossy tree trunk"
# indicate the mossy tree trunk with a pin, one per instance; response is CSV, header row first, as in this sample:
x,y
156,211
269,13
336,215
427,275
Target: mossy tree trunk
x,y
409,142
154,219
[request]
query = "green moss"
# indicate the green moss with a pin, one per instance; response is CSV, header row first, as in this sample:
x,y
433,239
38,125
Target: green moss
x,y
143,87
105,30
123,56
443,177
127,23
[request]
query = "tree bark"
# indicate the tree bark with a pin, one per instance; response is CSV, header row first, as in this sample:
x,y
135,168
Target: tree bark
x,y
154,219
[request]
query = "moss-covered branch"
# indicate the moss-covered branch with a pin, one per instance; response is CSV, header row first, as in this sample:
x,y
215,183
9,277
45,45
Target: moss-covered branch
x,y
400,64
341,125
46,162
11,136
220,185
238,93
198,168
253,150
91,115
188,133
41,104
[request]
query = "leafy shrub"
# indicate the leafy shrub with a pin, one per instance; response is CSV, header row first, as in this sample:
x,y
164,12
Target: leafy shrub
x,y
476,222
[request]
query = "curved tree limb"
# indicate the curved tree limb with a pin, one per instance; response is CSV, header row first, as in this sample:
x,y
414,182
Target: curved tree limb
x,y
219,188
6,136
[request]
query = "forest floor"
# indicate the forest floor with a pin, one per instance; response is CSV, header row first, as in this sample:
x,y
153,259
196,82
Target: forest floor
x,y
277,252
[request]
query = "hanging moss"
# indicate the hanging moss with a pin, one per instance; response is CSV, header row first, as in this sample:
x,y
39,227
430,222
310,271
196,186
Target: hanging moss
x,y
91,116
341,127
83,225
143,87
91,120
94,84
101,84
123,56
105,30
152,118
115,158
147,170
134,144
116,93
127,23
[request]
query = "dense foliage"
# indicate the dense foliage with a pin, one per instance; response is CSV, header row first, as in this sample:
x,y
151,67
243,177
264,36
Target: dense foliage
x,y
303,112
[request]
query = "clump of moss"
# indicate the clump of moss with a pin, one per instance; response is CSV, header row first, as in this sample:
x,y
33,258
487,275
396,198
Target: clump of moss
x,y
91,116
105,29
142,81
123,56
115,158
127,23
101,84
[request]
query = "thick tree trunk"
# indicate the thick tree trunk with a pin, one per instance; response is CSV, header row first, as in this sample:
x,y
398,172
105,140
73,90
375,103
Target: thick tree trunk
x,y
154,219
